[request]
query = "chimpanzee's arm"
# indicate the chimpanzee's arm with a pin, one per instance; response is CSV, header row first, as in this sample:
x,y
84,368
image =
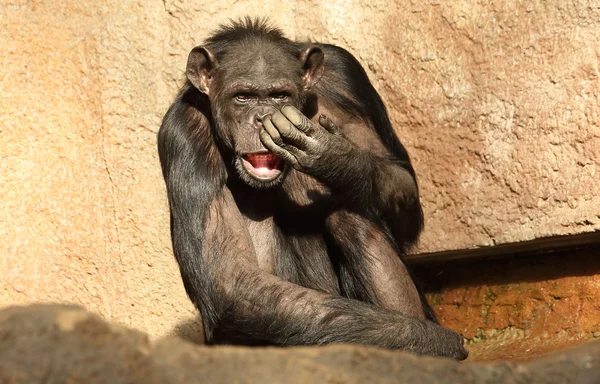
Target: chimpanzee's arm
x,y
193,175
378,185
369,267
265,307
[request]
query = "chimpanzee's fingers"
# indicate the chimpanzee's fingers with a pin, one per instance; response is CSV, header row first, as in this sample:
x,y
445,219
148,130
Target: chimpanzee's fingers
x,y
297,118
329,125
278,140
272,131
285,154
288,130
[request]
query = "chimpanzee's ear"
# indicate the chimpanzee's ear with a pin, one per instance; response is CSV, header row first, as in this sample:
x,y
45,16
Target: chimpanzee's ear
x,y
312,62
201,62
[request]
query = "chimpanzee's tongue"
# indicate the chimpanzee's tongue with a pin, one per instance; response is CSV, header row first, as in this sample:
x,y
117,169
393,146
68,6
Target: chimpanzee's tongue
x,y
263,160
263,165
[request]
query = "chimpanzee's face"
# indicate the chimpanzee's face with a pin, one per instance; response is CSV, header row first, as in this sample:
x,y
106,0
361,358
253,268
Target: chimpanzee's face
x,y
249,86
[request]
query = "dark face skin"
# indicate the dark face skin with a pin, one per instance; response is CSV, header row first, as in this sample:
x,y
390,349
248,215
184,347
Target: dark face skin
x,y
246,87
253,87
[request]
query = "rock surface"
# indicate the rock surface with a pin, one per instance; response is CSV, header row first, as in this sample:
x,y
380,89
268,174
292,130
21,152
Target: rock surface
x,y
497,102
65,344
523,305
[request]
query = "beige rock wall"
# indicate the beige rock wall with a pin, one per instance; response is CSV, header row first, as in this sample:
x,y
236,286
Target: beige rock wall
x,y
497,103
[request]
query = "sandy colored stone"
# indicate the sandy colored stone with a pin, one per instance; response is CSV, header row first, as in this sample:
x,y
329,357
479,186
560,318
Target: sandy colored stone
x,y
84,216
497,104
36,349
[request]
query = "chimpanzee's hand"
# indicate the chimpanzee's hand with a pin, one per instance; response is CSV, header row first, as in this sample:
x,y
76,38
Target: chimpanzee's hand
x,y
318,150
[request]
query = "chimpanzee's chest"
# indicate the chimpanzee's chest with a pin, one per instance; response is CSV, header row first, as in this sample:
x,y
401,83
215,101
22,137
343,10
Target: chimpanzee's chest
x,y
263,234
296,252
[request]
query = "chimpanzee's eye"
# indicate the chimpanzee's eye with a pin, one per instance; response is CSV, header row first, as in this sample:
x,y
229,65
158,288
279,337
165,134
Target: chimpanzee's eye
x,y
243,97
280,96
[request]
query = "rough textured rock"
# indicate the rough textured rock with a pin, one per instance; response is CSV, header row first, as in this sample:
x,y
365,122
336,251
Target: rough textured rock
x,y
84,216
518,307
496,102
59,344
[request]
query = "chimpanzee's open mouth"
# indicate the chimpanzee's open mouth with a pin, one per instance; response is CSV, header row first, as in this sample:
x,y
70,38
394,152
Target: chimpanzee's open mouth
x,y
263,166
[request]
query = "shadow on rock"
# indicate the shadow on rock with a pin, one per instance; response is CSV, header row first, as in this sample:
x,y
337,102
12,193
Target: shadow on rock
x,y
190,330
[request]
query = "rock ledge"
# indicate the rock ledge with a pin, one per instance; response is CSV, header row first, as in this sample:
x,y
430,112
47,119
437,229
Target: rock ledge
x,y
66,344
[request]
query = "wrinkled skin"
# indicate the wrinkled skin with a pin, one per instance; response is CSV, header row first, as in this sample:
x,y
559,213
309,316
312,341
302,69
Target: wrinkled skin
x,y
308,147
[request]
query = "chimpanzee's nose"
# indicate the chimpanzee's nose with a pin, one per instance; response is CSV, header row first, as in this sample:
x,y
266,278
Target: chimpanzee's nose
x,y
258,119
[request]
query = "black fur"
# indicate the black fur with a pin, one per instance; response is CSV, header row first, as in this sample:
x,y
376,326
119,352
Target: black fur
x,y
321,293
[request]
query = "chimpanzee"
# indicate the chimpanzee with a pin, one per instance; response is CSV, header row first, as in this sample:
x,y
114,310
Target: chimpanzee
x,y
292,199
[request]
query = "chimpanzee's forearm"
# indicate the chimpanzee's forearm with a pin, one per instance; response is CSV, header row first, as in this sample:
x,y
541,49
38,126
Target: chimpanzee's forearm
x,y
370,269
286,314
378,187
